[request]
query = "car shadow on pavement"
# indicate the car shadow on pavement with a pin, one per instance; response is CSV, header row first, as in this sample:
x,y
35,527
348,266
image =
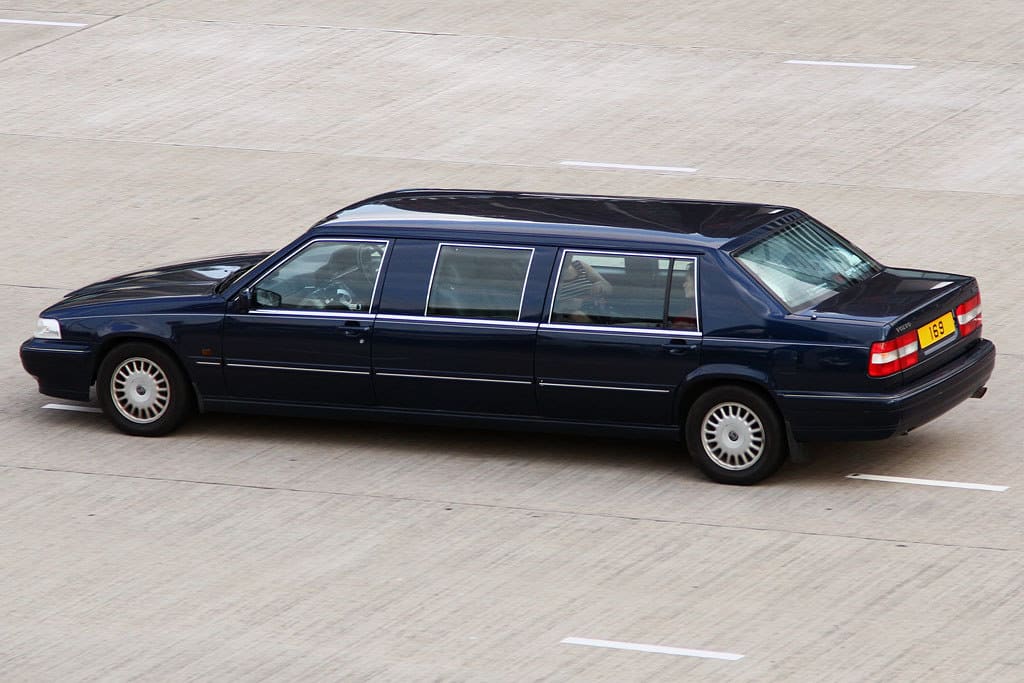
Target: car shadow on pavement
x,y
902,455
396,439
817,462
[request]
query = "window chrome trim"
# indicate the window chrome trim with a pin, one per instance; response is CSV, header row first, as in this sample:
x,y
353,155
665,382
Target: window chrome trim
x,y
434,320
596,386
672,258
284,367
457,379
302,247
437,256
615,330
349,315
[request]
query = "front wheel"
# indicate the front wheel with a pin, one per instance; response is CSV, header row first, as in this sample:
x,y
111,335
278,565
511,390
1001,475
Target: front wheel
x,y
142,390
734,435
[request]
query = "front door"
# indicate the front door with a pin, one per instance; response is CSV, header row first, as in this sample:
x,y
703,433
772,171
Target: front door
x,y
307,335
621,335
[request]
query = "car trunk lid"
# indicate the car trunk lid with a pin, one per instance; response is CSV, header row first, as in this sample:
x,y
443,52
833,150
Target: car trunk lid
x,y
915,307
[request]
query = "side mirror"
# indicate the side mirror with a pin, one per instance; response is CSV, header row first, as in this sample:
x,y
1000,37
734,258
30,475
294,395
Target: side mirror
x,y
267,299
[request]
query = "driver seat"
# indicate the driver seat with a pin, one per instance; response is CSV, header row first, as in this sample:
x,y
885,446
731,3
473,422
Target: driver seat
x,y
341,262
342,269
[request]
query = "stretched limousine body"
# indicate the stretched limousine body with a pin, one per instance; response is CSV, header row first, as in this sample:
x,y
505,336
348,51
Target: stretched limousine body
x,y
741,329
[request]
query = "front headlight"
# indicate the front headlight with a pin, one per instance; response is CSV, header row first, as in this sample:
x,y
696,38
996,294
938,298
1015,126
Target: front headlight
x,y
47,328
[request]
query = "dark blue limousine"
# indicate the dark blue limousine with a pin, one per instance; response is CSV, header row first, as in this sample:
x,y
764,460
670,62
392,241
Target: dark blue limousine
x,y
741,329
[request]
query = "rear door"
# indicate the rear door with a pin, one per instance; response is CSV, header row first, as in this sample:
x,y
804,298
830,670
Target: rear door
x,y
618,352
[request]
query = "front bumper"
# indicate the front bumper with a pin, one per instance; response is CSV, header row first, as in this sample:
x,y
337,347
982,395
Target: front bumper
x,y
863,417
63,369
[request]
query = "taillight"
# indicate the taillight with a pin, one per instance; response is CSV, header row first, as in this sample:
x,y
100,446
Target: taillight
x,y
888,357
968,315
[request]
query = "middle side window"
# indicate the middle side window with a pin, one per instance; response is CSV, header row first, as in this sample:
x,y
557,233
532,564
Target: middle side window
x,y
472,281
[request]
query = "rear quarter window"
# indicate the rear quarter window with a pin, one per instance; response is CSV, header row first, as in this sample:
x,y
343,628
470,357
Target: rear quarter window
x,y
805,263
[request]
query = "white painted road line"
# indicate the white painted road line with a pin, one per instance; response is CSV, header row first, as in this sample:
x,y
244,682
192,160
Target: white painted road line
x,y
660,649
631,167
40,23
928,482
80,409
861,65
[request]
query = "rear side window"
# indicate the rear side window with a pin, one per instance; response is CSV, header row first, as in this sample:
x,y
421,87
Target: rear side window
x,y
682,300
472,281
626,290
805,263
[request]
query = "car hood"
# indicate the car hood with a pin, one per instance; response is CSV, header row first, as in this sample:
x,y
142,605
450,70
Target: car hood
x,y
194,278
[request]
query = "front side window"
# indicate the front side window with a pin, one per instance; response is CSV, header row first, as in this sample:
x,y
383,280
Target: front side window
x,y
478,282
325,275
804,263
626,290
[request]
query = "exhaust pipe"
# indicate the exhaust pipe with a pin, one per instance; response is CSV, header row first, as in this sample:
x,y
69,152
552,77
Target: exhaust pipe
x,y
979,392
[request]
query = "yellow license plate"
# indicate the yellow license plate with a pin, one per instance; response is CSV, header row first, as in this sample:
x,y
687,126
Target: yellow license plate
x,y
936,330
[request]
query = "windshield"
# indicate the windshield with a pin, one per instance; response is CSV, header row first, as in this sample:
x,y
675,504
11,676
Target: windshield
x,y
223,284
245,268
805,263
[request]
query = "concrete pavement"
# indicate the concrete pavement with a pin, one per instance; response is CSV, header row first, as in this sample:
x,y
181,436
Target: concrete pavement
x,y
272,549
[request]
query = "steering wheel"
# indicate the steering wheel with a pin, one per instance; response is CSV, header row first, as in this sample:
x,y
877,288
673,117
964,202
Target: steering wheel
x,y
333,295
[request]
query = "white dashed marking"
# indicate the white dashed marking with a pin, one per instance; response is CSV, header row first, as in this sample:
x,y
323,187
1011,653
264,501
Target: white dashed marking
x,y
629,167
928,482
862,65
40,23
659,649
80,409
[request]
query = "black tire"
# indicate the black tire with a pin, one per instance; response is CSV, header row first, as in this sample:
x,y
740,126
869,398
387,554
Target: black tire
x,y
143,390
735,436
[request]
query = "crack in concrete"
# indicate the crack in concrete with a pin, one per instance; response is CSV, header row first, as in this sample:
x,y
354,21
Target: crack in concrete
x,y
56,289
553,165
60,37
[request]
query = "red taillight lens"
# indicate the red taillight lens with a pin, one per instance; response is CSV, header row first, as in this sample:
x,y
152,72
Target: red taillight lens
x,y
968,315
891,356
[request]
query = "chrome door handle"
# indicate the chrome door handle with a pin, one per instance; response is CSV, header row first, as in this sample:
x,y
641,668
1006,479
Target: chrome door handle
x,y
677,347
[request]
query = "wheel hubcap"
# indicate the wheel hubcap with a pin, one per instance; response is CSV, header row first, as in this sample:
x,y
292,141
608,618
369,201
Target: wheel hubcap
x,y
733,436
140,390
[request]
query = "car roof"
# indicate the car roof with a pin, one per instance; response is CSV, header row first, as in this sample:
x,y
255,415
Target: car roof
x,y
679,221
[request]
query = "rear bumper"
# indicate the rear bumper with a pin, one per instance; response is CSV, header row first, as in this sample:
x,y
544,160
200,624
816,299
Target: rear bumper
x,y
62,369
857,417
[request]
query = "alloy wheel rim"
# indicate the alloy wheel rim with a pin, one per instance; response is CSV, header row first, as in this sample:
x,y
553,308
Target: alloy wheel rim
x,y
140,390
732,436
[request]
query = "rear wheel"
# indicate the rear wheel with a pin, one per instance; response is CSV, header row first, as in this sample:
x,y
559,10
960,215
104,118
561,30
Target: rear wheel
x,y
734,435
142,390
